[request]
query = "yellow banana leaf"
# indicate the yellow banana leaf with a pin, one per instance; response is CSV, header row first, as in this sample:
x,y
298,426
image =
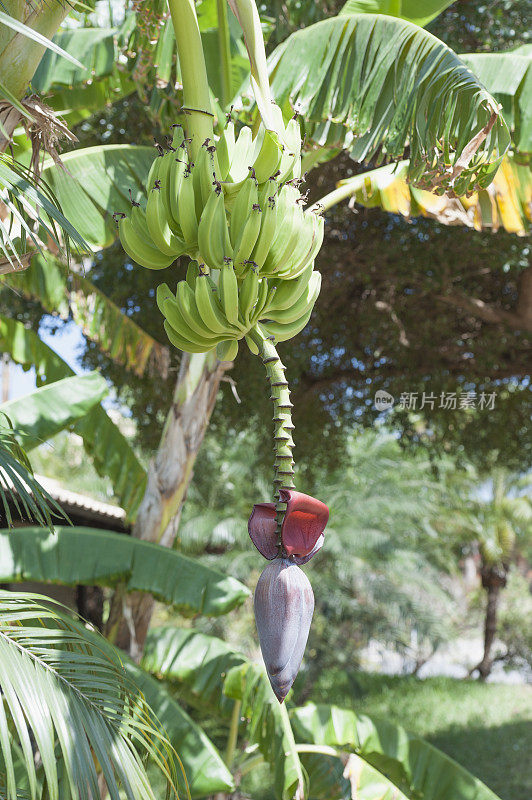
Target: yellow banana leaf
x,y
506,203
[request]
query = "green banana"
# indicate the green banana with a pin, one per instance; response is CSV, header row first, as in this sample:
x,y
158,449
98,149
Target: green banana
x,y
213,234
139,249
173,313
267,231
227,351
299,307
202,164
286,237
262,296
182,343
246,240
246,198
294,269
236,210
242,155
268,190
175,178
225,149
192,273
268,158
158,226
282,331
153,174
248,295
290,165
211,313
187,306
228,291
252,346
188,220
289,291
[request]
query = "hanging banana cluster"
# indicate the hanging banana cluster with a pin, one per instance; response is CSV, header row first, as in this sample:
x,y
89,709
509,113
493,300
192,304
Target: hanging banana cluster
x,y
237,213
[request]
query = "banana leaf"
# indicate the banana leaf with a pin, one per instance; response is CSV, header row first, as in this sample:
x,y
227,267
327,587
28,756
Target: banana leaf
x,y
89,556
68,293
375,85
194,663
52,408
420,12
506,203
414,766
96,184
508,76
110,451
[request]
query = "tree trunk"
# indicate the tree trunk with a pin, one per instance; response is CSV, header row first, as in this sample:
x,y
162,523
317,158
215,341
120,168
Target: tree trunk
x,y
493,580
169,476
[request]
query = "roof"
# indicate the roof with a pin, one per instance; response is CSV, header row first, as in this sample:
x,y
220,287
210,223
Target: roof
x,y
81,509
72,502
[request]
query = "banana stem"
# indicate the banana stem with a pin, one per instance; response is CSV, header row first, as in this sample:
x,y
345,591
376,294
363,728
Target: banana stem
x,y
247,15
282,421
224,42
233,733
197,102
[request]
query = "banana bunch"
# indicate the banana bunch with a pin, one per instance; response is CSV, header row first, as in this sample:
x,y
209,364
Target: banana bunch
x,y
202,315
238,214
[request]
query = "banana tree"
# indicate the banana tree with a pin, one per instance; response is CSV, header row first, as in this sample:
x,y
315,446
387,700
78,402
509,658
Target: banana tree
x,y
310,751
462,129
465,128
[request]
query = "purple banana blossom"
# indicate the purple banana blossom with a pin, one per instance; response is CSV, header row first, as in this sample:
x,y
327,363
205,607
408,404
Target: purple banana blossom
x,y
284,604
302,529
284,601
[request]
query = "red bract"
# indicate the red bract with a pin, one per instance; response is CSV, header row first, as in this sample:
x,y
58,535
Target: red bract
x,y
302,531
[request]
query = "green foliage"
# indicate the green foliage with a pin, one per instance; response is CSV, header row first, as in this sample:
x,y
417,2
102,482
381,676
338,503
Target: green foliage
x,y
95,184
111,453
485,727
65,687
509,76
16,473
411,764
92,556
499,523
420,12
29,202
71,294
205,770
54,407
513,628
195,662
421,92
268,726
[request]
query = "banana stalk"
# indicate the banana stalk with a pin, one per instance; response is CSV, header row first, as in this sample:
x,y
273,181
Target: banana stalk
x,y
282,422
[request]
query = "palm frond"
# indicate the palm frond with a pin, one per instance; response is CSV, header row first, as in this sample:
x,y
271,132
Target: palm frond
x,y
29,498
34,212
66,695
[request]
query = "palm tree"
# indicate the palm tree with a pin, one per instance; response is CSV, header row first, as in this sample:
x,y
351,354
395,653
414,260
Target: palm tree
x,y
495,516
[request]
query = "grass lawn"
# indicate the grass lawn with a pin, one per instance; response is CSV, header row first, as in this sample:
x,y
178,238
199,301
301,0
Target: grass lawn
x,y
485,727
